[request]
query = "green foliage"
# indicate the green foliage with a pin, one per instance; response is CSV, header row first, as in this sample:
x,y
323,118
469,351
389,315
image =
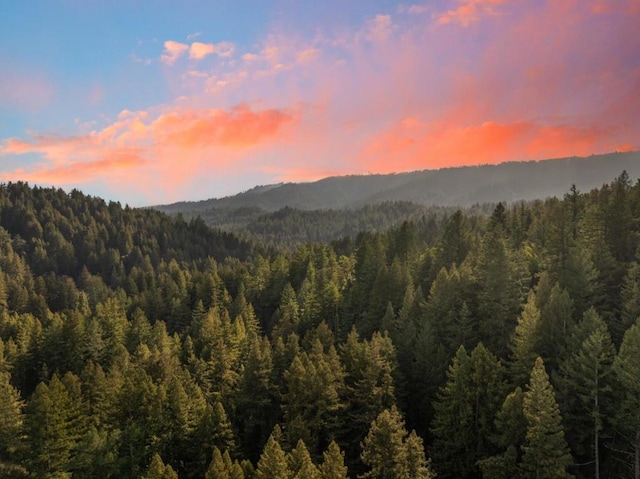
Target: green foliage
x,y
273,462
545,451
627,372
464,413
390,453
332,466
175,341
158,470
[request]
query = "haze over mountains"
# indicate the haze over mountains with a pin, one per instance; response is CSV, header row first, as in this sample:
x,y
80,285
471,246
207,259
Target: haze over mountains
x,y
463,186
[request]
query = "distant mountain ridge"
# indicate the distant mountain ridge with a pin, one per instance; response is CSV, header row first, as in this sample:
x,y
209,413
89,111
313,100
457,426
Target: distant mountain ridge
x,y
459,186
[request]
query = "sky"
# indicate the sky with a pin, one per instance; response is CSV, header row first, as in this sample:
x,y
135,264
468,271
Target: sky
x,y
152,102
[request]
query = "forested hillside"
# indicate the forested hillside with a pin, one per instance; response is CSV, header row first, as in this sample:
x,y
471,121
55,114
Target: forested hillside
x,y
459,187
289,227
133,344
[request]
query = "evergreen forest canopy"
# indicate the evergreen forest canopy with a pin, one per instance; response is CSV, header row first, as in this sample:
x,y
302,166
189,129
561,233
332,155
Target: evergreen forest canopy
x,y
462,344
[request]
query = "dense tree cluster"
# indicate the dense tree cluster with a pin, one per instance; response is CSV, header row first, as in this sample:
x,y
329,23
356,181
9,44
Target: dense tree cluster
x,y
465,345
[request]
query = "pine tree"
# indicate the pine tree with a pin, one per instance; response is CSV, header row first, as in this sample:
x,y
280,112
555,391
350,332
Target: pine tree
x,y
524,342
300,463
222,467
556,321
53,425
587,380
545,452
464,413
511,429
499,291
369,385
257,399
158,470
627,373
273,461
11,427
383,449
417,465
332,466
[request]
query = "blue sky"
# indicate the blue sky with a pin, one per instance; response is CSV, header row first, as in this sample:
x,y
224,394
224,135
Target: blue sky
x,y
152,102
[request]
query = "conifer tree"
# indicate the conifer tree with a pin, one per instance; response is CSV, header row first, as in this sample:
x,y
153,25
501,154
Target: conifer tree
x,y
300,463
273,461
545,452
511,429
54,425
465,409
11,425
383,449
222,467
391,453
587,383
332,466
524,342
627,372
158,470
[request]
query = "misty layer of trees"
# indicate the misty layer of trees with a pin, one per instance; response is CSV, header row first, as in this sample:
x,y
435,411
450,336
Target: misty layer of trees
x,y
505,345
289,228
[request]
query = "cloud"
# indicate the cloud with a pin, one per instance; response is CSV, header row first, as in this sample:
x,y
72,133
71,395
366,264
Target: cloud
x,y
379,28
470,11
543,78
238,128
169,146
307,55
173,51
198,50
193,36
410,145
115,162
417,9
225,49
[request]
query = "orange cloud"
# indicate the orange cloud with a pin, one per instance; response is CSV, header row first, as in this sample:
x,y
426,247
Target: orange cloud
x,y
173,51
163,150
613,6
115,162
240,127
409,146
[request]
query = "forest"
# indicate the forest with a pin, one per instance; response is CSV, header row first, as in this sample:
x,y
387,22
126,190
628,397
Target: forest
x,y
457,344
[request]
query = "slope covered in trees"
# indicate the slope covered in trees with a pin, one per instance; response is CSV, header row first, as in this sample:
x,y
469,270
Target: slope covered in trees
x,y
459,187
463,345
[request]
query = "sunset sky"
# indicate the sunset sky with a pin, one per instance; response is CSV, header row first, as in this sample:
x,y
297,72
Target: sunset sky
x,y
149,102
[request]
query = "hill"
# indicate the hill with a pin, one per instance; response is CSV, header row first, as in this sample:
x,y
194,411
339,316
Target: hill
x,y
462,186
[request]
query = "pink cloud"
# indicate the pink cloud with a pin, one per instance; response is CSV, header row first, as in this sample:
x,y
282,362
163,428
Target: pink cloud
x,y
173,51
379,28
114,163
307,55
170,147
469,12
198,50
